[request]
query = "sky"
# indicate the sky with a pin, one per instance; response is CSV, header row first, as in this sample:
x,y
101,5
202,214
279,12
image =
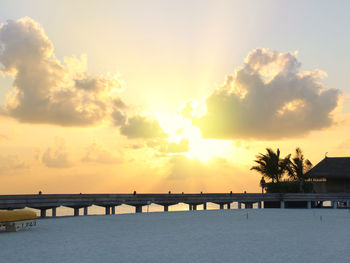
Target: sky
x,y
158,96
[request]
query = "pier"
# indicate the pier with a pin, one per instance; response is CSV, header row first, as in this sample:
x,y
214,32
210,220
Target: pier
x,y
43,202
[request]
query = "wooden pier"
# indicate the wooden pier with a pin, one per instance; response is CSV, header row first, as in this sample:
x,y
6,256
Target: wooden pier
x,y
43,202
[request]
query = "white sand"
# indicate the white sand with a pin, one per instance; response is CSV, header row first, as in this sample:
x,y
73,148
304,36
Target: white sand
x,y
270,235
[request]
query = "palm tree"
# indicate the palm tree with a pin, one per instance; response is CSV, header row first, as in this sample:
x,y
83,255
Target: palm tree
x,y
271,165
299,166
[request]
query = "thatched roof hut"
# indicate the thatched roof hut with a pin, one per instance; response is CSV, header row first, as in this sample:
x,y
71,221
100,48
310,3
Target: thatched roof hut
x,y
331,168
332,174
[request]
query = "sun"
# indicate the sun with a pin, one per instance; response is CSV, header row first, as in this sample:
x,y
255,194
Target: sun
x,y
199,148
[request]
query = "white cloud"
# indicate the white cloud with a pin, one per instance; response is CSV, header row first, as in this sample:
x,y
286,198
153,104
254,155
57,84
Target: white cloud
x,y
47,91
268,98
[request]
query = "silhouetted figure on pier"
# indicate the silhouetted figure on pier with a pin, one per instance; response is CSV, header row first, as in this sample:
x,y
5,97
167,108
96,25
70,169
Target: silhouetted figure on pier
x,y
262,184
134,193
39,192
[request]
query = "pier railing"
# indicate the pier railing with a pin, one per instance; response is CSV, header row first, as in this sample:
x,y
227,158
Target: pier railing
x,y
110,201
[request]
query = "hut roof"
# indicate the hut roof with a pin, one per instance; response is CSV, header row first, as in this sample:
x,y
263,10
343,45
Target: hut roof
x,y
332,168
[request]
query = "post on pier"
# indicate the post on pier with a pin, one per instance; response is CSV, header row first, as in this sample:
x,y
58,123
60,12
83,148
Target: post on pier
x,y
53,211
194,207
204,206
76,211
309,204
282,204
42,212
166,208
239,205
113,210
85,211
221,206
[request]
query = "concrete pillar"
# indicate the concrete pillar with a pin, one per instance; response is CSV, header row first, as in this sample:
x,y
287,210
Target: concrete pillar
x,y
308,204
204,206
76,211
194,207
43,212
85,211
239,205
53,211
221,206
228,206
190,207
259,204
348,203
166,208
108,210
138,209
113,210
282,204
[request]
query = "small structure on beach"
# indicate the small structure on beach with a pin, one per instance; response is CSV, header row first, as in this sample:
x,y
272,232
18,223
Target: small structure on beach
x,y
331,175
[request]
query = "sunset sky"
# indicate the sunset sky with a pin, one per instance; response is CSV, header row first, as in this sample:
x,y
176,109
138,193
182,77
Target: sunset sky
x,y
152,96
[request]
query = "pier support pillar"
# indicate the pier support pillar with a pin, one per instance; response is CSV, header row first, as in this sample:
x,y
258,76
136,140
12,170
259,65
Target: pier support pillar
x,y
138,209
85,211
221,206
166,208
53,211
76,211
228,206
194,207
239,205
308,204
334,204
43,212
113,210
108,210
190,207
259,204
282,204
348,203
204,206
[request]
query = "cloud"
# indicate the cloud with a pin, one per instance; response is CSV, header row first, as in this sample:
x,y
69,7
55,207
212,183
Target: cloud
x,y
56,156
48,91
97,154
142,127
267,98
168,147
11,162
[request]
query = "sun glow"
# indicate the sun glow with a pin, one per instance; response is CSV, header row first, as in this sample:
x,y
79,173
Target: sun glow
x,y
199,148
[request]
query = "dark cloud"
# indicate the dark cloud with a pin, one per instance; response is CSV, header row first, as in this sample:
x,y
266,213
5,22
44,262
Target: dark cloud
x,y
267,98
47,91
142,127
